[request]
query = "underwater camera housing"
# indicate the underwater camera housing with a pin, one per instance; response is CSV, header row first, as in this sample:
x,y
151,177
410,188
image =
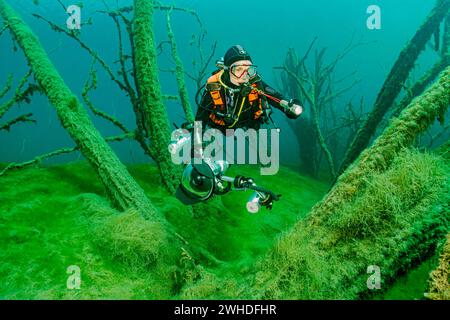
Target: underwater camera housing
x,y
201,181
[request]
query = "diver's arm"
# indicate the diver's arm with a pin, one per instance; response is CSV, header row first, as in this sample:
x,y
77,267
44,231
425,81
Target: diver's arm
x,y
291,107
274,93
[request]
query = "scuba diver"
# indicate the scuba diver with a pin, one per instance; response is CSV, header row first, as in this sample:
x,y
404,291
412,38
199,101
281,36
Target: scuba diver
x,y
235,97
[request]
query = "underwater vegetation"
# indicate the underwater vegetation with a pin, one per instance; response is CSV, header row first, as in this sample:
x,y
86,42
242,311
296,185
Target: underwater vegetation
x,y
439,288
384,206
65,220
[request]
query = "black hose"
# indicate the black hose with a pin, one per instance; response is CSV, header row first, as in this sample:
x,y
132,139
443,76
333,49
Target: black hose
x,y
197,94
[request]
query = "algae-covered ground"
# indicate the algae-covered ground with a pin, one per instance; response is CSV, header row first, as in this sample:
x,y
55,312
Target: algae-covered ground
x,y
54,217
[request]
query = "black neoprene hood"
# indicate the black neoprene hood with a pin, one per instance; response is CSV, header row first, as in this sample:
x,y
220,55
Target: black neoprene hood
x,y
235,53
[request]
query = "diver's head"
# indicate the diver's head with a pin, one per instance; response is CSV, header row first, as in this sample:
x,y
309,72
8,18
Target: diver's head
x,y
239,65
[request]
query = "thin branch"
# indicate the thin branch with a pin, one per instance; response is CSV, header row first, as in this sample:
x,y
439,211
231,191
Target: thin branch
x,y
167,70
86,47
300,84
38,159
179,72
133,93
141,132
18,96
122,57
171,97
106,5
305,56
62,5
93,85
23,118
159,47
343,125
340,92
3,29
350,75
7,87
202,73
159,6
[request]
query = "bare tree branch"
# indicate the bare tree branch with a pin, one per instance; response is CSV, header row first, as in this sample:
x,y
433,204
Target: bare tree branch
x,y
87,48
38,159
7,87
3,29
18,96
23,118
91,86
62,5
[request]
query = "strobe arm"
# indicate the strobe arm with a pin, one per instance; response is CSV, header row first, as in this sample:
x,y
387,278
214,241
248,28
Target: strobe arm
x,y
241,182
262,197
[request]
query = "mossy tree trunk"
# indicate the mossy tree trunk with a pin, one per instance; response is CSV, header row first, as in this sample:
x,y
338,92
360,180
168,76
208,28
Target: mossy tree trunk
x,y
156,119
327,255
395,81
431,74
402,132
179,73
439,282
121,188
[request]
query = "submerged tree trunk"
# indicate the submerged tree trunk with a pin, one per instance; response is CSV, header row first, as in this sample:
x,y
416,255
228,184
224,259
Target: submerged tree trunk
x,y
439,281
156,119
402,132
179,73
121,188
362,226
431,74
394,82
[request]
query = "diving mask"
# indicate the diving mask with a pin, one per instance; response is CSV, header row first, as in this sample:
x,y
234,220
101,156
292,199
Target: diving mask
x,y
239,70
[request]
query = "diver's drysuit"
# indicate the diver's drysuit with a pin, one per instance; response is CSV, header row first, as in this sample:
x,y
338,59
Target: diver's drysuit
x,y
220,106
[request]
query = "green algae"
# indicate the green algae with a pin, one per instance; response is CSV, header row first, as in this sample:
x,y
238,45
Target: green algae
x,y
411,285
57,216
377,228
439,279
388,210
